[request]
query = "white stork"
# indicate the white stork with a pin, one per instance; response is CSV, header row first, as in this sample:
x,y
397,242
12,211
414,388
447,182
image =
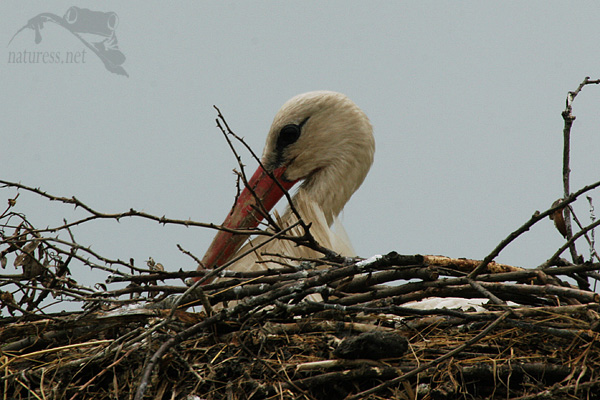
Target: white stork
x,y
321,139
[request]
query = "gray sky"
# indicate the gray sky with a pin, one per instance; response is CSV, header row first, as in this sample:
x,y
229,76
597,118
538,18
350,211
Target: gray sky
x,y
465,99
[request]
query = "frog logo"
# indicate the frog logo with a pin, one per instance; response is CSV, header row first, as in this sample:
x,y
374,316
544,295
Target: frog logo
x,y
95,29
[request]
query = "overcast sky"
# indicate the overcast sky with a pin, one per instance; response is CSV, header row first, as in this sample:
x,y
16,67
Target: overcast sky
x,y
465,99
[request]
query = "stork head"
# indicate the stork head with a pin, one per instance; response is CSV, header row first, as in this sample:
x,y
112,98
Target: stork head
x,y
320,138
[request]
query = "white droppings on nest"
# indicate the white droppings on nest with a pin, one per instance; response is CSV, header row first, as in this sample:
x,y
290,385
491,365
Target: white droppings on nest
x,y
368,261
128,309
225,273
450,303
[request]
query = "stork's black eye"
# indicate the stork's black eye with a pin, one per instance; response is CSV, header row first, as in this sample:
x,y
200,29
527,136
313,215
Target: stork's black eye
x,y
289,134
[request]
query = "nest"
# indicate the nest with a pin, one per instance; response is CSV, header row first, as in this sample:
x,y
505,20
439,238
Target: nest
x,y
268,337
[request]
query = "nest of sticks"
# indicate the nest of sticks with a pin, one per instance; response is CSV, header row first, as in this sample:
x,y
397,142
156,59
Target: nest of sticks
x,y
333,327
534,337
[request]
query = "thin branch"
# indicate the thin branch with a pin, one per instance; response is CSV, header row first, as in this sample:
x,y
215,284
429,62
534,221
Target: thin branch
x,y
537,216
569,118
117,216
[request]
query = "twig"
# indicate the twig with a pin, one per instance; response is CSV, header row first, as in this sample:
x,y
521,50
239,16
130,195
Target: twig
x,y
537,216
242,174
105,370
573,238
569,118
117,216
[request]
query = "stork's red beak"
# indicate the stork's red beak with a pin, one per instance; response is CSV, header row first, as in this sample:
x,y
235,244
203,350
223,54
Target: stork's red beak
x,y
246,214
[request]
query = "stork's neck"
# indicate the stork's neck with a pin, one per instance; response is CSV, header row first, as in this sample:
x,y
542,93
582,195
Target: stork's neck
x,y
331,187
